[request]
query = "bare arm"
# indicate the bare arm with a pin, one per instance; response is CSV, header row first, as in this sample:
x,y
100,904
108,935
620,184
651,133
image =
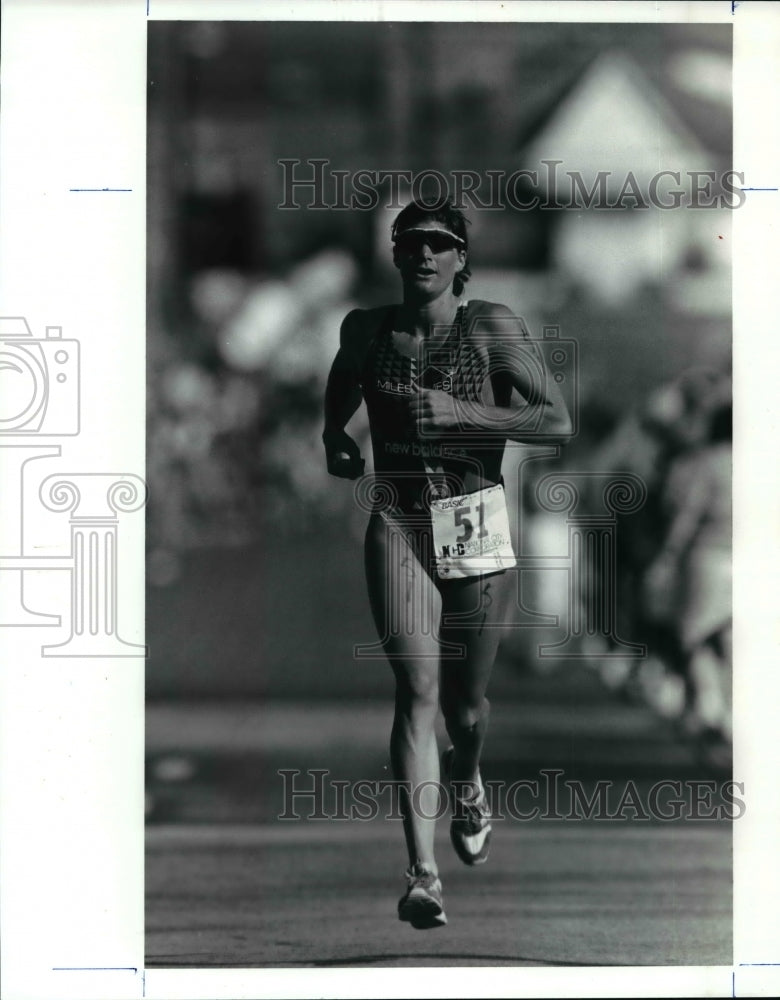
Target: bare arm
x,y
342,399
687,494
686,500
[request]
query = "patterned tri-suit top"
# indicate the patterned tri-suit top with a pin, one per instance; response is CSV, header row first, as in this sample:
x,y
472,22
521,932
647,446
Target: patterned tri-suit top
x,y
420,467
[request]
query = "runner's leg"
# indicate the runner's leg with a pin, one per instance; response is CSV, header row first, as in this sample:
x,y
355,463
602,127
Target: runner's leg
x,y
406,608
480,604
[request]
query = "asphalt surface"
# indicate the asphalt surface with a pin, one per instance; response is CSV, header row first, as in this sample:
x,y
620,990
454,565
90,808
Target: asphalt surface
x,y
324,895
229,884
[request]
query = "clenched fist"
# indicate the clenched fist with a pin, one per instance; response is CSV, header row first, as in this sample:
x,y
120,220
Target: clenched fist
x,y
343,455
433,411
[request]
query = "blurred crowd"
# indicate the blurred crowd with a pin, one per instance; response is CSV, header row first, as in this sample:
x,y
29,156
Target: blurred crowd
x,y
673,565
234,409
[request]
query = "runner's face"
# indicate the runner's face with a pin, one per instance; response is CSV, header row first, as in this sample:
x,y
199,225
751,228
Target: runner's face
x,y
428,265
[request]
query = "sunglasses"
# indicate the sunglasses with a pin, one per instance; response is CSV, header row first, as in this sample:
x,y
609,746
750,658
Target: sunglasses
x,y
437,240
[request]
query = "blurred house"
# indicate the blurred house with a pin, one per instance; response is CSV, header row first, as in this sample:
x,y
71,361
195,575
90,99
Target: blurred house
x,y
617,132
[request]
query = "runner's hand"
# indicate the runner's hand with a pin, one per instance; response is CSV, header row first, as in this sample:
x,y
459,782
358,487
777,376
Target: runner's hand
x,y
343,455
433,411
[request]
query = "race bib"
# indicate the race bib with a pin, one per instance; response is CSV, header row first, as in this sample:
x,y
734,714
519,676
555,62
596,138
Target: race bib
x,y
471,534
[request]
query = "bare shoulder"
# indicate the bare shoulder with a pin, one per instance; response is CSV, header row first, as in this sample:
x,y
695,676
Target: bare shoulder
x,y
359,327
496,320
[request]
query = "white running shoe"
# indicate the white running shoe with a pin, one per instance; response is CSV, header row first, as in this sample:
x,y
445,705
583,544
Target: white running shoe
x,y
470,829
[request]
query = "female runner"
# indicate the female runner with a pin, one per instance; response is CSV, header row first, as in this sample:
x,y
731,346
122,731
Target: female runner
x,y
446,383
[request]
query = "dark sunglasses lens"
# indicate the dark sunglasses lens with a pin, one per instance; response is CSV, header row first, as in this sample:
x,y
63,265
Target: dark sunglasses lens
x,y
412,242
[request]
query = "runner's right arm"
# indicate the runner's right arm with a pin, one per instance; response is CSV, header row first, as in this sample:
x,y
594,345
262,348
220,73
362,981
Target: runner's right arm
x,y
342,398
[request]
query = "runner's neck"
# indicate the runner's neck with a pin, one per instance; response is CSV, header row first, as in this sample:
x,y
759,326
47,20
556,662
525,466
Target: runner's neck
x,y
421,323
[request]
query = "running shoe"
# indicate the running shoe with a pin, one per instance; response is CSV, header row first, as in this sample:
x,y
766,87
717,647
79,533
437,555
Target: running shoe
x,y
422,905
470,829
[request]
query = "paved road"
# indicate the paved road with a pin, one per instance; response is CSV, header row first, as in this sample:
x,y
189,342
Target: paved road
x,y
230,885
219,762
324,895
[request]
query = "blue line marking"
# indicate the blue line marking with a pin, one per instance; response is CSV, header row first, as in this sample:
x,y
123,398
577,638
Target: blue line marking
x,y
100,189
733,983
94,968
759,189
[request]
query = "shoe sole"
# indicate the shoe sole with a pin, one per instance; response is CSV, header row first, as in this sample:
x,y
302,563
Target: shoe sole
x,y
423,914
472,860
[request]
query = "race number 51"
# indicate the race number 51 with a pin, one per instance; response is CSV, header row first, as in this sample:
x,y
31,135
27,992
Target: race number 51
x,y
461,521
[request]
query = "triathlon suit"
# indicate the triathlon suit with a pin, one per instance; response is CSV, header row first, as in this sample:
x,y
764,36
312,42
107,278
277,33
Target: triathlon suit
x,y
412,470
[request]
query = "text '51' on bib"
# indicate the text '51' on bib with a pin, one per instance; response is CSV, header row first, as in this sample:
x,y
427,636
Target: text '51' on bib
x,y
471,534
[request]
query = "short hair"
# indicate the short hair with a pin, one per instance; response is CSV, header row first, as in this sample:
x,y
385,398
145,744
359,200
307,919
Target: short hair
x,y
444,211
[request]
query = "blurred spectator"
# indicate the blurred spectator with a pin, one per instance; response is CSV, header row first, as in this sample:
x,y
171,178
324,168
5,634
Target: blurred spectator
x,y
672,424
693,566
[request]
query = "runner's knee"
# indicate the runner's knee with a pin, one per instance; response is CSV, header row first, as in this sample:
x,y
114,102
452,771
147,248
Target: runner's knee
x,y
463,713
419,691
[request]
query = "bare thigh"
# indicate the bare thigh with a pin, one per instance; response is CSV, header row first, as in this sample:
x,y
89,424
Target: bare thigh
x,y
473,616
421,625
405,602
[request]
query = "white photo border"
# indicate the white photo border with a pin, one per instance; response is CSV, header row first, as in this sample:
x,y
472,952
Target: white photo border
x,y
72,255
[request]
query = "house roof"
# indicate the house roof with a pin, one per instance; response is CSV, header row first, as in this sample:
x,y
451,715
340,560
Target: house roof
x,y
611,117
